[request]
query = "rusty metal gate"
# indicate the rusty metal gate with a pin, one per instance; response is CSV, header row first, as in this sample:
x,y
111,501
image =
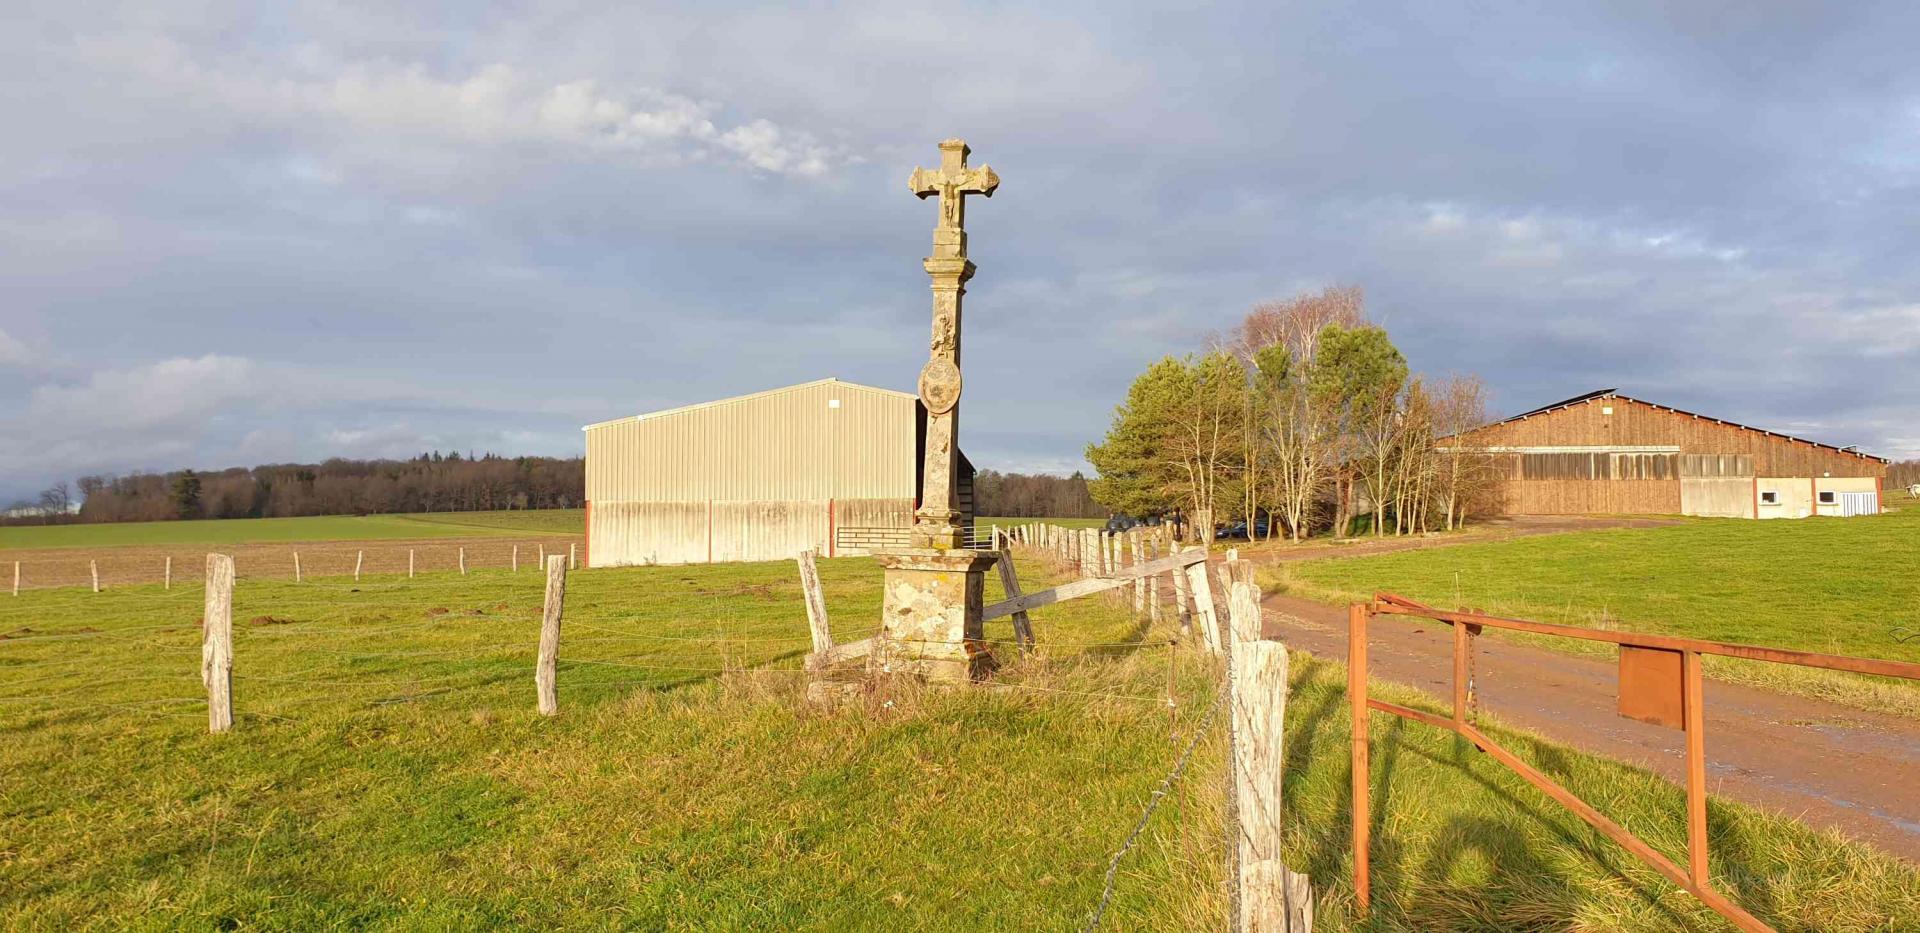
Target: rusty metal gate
x,y
1660,683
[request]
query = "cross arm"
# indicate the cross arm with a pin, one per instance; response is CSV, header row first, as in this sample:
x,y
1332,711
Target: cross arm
x,y
927,183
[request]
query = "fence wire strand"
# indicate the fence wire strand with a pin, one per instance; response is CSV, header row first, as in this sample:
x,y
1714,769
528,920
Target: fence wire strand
x,y
1153,803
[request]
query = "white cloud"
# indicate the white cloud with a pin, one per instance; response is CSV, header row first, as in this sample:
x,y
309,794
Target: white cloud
x,y
12,351
154,397
494,105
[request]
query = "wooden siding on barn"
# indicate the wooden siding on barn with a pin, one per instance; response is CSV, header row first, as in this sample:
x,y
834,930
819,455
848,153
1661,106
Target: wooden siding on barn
x,y
1638,424
1642,458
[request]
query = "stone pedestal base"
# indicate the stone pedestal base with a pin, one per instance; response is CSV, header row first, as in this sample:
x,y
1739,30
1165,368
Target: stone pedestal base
x,y
930,615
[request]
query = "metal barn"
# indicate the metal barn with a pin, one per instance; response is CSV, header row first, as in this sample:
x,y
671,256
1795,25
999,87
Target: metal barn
x,y
1604,452
830,466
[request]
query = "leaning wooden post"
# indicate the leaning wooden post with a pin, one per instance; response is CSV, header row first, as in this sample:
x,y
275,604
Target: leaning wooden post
x,y
358,557
1139,582
1272,898
816,600
544,671
296,566
1183,600
93,567
1357,701
1010,581
216,644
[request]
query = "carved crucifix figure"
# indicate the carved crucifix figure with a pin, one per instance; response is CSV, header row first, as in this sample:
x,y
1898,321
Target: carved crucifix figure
x,y
936,523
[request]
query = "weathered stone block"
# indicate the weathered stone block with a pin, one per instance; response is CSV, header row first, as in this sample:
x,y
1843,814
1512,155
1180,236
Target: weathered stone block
x,y
930,614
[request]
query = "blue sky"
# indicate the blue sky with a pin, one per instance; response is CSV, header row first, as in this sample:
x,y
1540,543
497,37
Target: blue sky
x,y
232,235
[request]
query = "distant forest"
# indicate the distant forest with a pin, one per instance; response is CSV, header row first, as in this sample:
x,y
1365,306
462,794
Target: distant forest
x,y
1903,473
431,482
1034,495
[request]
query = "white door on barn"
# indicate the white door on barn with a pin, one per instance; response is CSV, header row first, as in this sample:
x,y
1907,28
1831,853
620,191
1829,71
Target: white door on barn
x,y
1859,503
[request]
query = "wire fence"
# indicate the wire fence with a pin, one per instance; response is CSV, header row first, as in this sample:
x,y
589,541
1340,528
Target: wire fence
x,y
140,565
333,646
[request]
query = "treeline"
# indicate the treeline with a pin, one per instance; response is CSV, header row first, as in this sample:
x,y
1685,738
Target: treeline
x,y
1033,495
432,482
1305,415
1902,473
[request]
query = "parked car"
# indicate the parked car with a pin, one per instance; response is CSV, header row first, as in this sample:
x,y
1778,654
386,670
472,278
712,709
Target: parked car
x,y
1239,529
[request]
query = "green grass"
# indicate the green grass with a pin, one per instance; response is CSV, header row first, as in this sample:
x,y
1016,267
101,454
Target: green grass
x,y
307,528
1841,586
387,771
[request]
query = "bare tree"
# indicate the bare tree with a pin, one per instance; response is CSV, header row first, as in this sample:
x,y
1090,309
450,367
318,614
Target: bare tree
x,y
56,501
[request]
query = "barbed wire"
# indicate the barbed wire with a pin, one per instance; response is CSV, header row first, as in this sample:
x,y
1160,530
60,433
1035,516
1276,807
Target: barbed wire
x,y
1153,803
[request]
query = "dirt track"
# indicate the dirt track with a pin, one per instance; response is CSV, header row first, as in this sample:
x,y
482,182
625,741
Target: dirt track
x,y
128,565
1829,765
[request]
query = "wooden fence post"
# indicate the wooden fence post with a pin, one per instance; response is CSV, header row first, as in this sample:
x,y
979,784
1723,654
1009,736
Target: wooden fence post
x,y
516,558
1134,541
543,555
1205,614
1010,581
1273,899
216,643
544,671
816,600
463,561
296,566
1153,583
573,559
358,556
1245,619
16,574
409,563
93,567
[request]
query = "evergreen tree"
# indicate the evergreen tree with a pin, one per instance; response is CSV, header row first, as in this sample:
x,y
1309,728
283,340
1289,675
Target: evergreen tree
x,y
186,494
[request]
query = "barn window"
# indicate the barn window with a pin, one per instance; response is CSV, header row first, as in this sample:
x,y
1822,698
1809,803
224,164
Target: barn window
x,y
1829,498
1769,497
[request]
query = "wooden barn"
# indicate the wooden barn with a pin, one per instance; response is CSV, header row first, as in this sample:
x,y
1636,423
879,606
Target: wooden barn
x,y
830,466
1604,452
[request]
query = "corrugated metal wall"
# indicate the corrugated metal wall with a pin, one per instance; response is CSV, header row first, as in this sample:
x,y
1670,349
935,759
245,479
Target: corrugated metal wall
x,y
761,477
782,445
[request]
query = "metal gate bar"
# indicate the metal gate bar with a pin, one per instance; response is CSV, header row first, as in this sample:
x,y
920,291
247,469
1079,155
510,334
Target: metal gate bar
x,y
1691,720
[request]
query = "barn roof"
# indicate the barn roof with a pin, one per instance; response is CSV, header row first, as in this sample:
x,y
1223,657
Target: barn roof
x,y
750,396
1615,393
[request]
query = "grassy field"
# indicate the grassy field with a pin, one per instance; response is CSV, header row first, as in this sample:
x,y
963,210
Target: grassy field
x,y
308,528
1843,586
387,772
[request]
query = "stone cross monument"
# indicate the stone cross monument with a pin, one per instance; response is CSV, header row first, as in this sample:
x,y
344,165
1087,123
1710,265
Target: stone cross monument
x,y
930,620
